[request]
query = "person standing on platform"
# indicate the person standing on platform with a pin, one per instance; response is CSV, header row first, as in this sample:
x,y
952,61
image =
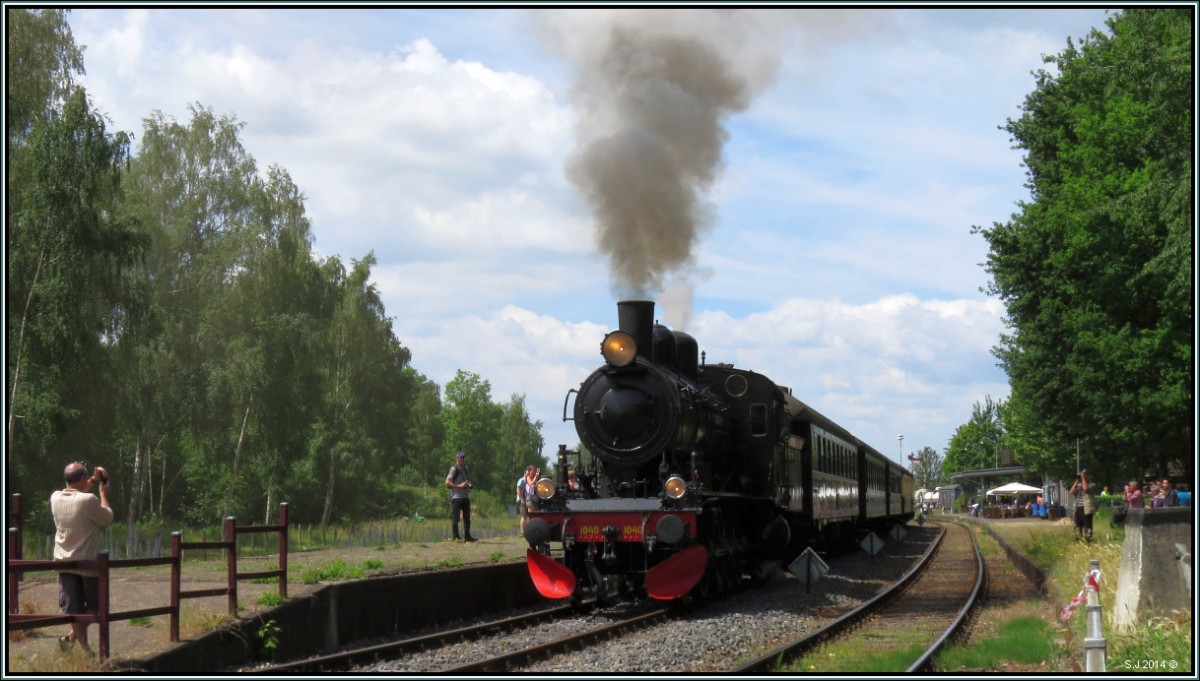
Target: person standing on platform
x,y
1084,492
1133,495
459,481
526,498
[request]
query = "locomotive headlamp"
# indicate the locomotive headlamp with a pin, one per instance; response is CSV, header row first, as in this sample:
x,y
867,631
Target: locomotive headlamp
x,y
675,487
545,488
619,348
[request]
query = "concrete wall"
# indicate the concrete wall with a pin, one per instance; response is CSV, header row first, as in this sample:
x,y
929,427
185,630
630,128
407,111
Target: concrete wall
x,y
1156,565
349,611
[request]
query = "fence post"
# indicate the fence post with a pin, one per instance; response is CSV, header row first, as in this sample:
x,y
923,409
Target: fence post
x,y
1094,646
176,568
14,599
103,605
231,563
283,549
17,523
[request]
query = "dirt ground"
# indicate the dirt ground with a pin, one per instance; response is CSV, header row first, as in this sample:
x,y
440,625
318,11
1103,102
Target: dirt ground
x,y
139,588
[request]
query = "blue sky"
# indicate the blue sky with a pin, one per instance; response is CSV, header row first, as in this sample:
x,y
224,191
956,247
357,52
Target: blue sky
x,y
835,255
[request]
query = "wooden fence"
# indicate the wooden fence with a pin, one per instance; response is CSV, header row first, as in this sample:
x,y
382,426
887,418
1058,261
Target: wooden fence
x,y
102,566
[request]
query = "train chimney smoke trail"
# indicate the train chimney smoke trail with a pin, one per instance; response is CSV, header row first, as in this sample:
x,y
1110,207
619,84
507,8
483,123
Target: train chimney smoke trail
x,y
654,88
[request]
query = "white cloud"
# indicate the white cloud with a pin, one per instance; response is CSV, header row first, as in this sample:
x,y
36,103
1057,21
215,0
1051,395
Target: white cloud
x,y
840,261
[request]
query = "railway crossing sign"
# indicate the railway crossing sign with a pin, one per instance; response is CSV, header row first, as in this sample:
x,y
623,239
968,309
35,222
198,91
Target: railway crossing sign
x,y
872,544
808,567
898,532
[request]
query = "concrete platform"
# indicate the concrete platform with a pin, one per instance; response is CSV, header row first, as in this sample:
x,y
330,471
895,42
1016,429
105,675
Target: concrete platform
x,y
1156,565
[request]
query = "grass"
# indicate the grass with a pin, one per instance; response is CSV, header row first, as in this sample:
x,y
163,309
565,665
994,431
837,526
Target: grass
x,y
193,623
29,607
1065,562
270,599
339,570
1153,648
850,655
1024,640
70,663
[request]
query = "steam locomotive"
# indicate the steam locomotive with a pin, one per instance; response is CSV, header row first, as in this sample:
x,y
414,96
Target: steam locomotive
x,y
700,475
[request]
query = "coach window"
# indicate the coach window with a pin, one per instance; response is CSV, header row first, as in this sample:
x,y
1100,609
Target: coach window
x,y
758,420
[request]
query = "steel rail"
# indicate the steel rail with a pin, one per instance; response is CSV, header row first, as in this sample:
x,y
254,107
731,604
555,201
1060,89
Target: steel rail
x,y
342,660
771,660
924,663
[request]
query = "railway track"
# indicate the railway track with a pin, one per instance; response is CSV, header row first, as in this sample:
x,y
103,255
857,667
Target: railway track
x,y
935,598
366,655
571,638
443,651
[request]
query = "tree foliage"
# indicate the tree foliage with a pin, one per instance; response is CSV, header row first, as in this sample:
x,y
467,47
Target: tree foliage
x,y
978,443
928,471
69,255
168,317
1095,269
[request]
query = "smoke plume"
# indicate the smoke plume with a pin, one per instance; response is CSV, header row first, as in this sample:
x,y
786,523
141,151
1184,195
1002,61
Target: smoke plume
x,y
654,89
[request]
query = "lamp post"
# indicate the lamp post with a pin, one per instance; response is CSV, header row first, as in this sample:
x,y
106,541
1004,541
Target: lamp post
x,y
901,439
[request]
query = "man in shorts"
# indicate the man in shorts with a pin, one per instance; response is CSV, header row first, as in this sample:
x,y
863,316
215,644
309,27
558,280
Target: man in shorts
x,y
78,517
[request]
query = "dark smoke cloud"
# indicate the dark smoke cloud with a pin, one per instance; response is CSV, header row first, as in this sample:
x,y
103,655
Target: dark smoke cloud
x,y
654,89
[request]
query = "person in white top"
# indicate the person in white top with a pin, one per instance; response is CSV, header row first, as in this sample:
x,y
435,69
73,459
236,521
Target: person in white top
x,y
526,498
78,517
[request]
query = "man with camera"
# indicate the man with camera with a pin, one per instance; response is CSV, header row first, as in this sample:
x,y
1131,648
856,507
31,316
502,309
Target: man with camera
x,y
78,517
459,482
1084,492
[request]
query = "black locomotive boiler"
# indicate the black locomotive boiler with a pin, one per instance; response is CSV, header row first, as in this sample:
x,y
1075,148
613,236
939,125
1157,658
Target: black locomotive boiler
x,y
700,475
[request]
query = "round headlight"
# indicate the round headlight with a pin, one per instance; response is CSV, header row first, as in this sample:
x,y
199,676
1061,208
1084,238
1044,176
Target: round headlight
x,y
619,348
545,488
675,487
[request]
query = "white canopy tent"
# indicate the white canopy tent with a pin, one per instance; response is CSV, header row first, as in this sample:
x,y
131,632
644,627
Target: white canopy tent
x,y
1013,488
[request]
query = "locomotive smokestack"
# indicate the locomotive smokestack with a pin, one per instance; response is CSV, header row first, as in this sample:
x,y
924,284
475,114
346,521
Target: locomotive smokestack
x,y
636,318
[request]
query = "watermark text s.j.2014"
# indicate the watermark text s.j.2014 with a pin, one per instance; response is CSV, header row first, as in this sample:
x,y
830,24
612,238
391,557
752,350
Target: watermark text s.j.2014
x,y
1151,665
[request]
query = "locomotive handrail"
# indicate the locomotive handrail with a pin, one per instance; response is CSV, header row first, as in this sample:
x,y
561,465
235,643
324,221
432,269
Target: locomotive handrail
x,y
568,399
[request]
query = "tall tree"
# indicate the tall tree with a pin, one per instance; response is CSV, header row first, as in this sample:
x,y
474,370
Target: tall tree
x,y
66,292
68,295
927,472
1095,270
979,443
42,62
191,188
470,419
363,377
519,441
425,433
